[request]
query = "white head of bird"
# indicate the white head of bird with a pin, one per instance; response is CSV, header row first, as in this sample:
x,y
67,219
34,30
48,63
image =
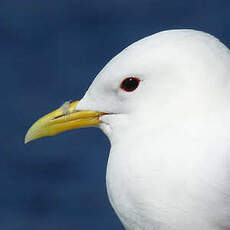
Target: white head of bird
x,y
164,104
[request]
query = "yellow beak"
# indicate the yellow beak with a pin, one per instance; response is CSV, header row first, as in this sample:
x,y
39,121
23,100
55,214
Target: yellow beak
x,y
60,120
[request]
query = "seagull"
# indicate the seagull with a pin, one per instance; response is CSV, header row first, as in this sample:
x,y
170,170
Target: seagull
x,y
164,103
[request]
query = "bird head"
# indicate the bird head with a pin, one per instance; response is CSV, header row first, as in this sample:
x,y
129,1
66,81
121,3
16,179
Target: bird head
x,y
162,78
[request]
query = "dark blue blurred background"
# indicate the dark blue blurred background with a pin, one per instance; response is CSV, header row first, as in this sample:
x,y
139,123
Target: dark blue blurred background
x,y
50,51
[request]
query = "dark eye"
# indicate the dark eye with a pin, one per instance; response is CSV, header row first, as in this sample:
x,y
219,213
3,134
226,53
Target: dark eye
x,y
129,84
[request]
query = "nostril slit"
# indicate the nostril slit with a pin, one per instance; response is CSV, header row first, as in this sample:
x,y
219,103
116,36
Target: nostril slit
x,y
58,117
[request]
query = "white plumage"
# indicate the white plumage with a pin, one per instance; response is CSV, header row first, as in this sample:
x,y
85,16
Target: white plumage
x,y
169,164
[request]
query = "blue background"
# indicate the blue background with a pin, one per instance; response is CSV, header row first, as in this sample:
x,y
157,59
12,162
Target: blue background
x,y
50,51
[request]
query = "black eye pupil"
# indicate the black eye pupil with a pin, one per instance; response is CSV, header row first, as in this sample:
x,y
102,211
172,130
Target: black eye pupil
x,y
130,84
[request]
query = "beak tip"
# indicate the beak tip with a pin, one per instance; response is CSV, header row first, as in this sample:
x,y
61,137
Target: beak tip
x,y
26,140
